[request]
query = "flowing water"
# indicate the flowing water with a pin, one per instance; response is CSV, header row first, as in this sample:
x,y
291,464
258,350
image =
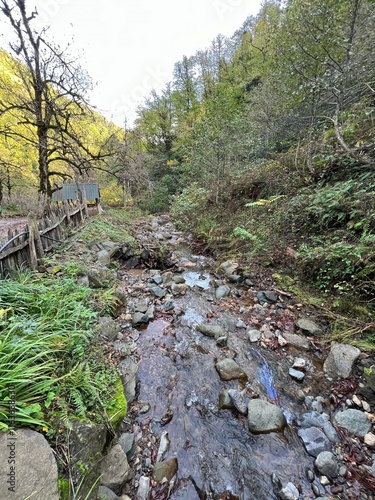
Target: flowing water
x,y
218,457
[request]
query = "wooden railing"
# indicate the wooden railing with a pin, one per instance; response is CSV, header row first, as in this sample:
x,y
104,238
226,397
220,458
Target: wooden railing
x,y
26,247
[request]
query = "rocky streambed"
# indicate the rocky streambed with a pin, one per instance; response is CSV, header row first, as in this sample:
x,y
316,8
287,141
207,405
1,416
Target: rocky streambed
x,y
232,392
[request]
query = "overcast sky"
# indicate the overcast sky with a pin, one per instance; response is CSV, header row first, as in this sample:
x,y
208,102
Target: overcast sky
x,y
130,47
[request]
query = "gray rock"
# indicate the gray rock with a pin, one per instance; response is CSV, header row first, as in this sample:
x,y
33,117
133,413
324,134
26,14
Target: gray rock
x,y
289,492
108,328
157,279
229,267
168,306
265,417
163,446
235,278
222,341
309,327
150,313
297,341
238,401
142,306
222,291
167,277
86,443
179,280
355,421
271,296
211,330
299,364
139,318
104,258
312,419
105,493
254,335
179,289
340,360
157,291
115,470
225,401
240,324
143,488
127,443
331,432
129,377
229,370
296,374
167,469
315,441
34,471
326,464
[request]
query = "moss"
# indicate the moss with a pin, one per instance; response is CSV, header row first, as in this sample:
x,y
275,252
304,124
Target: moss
x,y
119,409
64,491
284,281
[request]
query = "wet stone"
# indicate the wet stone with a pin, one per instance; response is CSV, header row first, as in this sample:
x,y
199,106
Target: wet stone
x,y
225,401
265,417
229,370
326,464
222,341
296,374
238,401
315,441
167,470
211,330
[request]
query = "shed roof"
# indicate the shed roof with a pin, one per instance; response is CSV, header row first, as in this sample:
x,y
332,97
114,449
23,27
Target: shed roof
x,y
70,192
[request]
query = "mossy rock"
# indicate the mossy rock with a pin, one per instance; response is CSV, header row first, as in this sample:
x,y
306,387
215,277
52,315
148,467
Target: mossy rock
x,y
118,411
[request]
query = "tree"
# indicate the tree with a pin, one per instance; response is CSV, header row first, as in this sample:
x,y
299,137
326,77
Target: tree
x,y
45,109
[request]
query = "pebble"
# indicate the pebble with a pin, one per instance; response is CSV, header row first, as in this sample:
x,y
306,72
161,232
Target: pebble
x,y
324,481
370,439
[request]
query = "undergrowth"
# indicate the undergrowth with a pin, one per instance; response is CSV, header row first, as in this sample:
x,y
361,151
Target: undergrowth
x,y
50,365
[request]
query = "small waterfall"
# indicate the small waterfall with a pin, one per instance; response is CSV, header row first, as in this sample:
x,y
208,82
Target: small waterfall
x,y
266,377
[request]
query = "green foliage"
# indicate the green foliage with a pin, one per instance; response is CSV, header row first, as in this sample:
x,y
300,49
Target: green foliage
x,y
48,359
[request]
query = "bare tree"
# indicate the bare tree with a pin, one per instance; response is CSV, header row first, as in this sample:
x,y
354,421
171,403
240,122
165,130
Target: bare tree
x,y
48,106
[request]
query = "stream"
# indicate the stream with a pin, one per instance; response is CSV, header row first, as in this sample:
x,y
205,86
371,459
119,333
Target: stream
x,y
218,457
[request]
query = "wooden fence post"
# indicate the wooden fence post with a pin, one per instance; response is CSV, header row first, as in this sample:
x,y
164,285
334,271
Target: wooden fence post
x,y
35,243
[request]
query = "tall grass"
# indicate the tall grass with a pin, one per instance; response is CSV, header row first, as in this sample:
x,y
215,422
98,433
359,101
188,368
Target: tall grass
x,y
46,334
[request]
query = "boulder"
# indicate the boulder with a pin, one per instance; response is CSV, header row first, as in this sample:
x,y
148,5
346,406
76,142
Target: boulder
x,y
86,444
340,360
129,377
309,327
115,470
34,471
355,421
229,370
265,417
